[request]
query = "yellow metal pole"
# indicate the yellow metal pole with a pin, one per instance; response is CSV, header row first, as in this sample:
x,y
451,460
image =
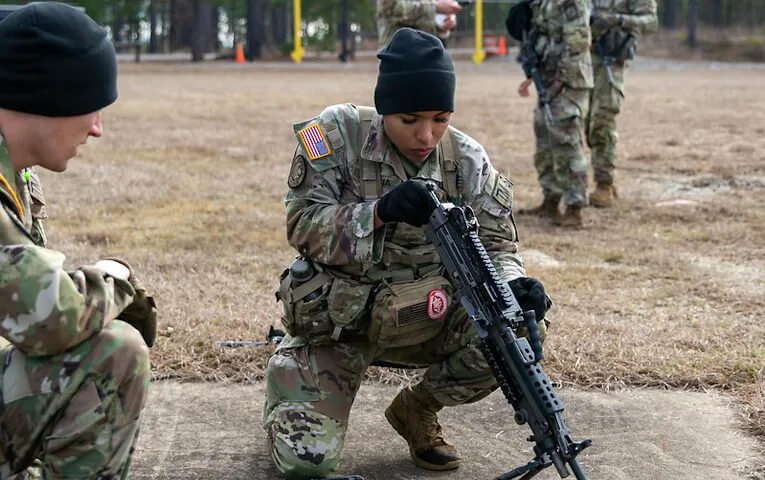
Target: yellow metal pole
x,y
297,49
479,54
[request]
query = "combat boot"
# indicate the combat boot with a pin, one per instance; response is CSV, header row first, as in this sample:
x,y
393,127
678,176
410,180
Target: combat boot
x,y
572,217
604,196
413,415
548,208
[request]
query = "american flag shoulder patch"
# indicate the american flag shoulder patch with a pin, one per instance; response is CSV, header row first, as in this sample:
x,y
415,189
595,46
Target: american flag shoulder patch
x,y
314,141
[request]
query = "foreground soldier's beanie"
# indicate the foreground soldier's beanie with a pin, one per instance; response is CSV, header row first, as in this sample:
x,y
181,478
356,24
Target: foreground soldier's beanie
x,y
416,74
55,61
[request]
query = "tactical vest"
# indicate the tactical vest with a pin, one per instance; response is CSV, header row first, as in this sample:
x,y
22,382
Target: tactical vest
x,y
404,250
371,181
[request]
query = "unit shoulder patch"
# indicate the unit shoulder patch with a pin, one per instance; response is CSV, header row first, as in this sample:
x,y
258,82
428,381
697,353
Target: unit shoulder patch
x,y
297,172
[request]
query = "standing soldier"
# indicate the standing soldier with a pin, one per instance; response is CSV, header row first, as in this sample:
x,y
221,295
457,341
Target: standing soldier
x,y
615,27
556,35
418,14
73,379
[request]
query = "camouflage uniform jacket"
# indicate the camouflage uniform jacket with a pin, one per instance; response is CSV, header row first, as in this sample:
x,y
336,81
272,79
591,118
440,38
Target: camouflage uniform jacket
x,y
561,31
330,215
394,14
637,16
45,310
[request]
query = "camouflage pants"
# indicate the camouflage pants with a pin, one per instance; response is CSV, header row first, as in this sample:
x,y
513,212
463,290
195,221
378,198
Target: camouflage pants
x,y
76,414
310,388
560,160
605,104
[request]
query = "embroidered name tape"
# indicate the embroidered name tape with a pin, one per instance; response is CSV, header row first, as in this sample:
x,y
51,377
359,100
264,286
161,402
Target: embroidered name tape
x,y
314,142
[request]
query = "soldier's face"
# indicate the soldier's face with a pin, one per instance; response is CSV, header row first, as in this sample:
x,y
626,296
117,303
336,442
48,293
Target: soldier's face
x,y
62,136
416,134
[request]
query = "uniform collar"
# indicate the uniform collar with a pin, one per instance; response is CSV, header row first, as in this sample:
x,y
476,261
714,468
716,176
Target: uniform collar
x,y
377,148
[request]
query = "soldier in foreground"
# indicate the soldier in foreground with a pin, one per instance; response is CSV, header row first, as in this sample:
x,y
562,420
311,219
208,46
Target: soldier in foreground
x,y
368,285
616,24
436,17
557,33
73,379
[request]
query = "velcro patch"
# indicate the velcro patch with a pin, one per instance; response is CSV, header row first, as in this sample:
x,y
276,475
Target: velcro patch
x,y
502,190
314,142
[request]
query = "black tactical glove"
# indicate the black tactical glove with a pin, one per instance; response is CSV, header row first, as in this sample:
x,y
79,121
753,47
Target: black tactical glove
x,y
142,313
531,296
409,202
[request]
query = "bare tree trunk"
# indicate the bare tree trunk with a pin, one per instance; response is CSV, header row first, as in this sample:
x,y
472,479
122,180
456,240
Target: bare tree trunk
x,y
669,19
343,30
212,34
152,26
279,24
255,29
693,16
197,32
716,15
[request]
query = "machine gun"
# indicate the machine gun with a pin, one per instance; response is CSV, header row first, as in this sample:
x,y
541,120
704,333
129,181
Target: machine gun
x,y
529,61
495,314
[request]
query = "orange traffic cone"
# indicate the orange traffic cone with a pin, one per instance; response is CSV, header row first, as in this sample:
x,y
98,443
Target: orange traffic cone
x,y
501,47
239,53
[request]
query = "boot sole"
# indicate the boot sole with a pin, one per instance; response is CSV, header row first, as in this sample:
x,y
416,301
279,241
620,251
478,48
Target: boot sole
x,y
399,428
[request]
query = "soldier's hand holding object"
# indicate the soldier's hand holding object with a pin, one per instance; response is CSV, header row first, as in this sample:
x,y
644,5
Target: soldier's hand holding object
x,y
531,295
603,22
447,7
409,202
142,313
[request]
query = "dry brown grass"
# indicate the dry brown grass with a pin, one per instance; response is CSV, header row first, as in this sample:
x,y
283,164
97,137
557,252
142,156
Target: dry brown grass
x,y
188,182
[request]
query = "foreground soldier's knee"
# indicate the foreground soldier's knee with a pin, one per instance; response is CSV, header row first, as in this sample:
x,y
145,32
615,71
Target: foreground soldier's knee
x,y
303,444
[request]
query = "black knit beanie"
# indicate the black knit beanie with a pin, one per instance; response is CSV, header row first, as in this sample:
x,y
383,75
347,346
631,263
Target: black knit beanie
x,y
55,61
416,74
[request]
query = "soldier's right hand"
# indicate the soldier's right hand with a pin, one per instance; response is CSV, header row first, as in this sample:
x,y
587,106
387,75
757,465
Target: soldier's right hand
x,y
142,313
447,7
409,202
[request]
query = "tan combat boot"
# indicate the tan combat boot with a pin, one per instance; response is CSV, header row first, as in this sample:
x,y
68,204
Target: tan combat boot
x,y
604,196
572,217
413,415
548,208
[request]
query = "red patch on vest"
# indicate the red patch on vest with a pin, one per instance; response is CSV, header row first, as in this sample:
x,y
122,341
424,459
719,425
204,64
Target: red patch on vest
x,y
438,304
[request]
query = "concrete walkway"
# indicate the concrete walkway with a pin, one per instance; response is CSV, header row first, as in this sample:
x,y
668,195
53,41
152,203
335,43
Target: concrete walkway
x,y
212,431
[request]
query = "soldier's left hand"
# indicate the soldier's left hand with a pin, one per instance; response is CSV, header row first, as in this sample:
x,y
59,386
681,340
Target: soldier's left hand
x,y
601,23
531,296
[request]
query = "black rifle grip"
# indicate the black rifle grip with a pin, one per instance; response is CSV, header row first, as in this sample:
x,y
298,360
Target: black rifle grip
x,y
536,342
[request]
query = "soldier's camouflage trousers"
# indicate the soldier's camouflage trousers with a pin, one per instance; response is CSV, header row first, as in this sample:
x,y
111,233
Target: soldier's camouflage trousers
x,y
605,104
310,389
76,414
560,159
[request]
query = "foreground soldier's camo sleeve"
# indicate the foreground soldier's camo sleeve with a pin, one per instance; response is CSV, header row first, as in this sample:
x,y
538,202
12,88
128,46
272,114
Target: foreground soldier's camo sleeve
x,y
45,310
575,38
326,220
490,194
641,17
